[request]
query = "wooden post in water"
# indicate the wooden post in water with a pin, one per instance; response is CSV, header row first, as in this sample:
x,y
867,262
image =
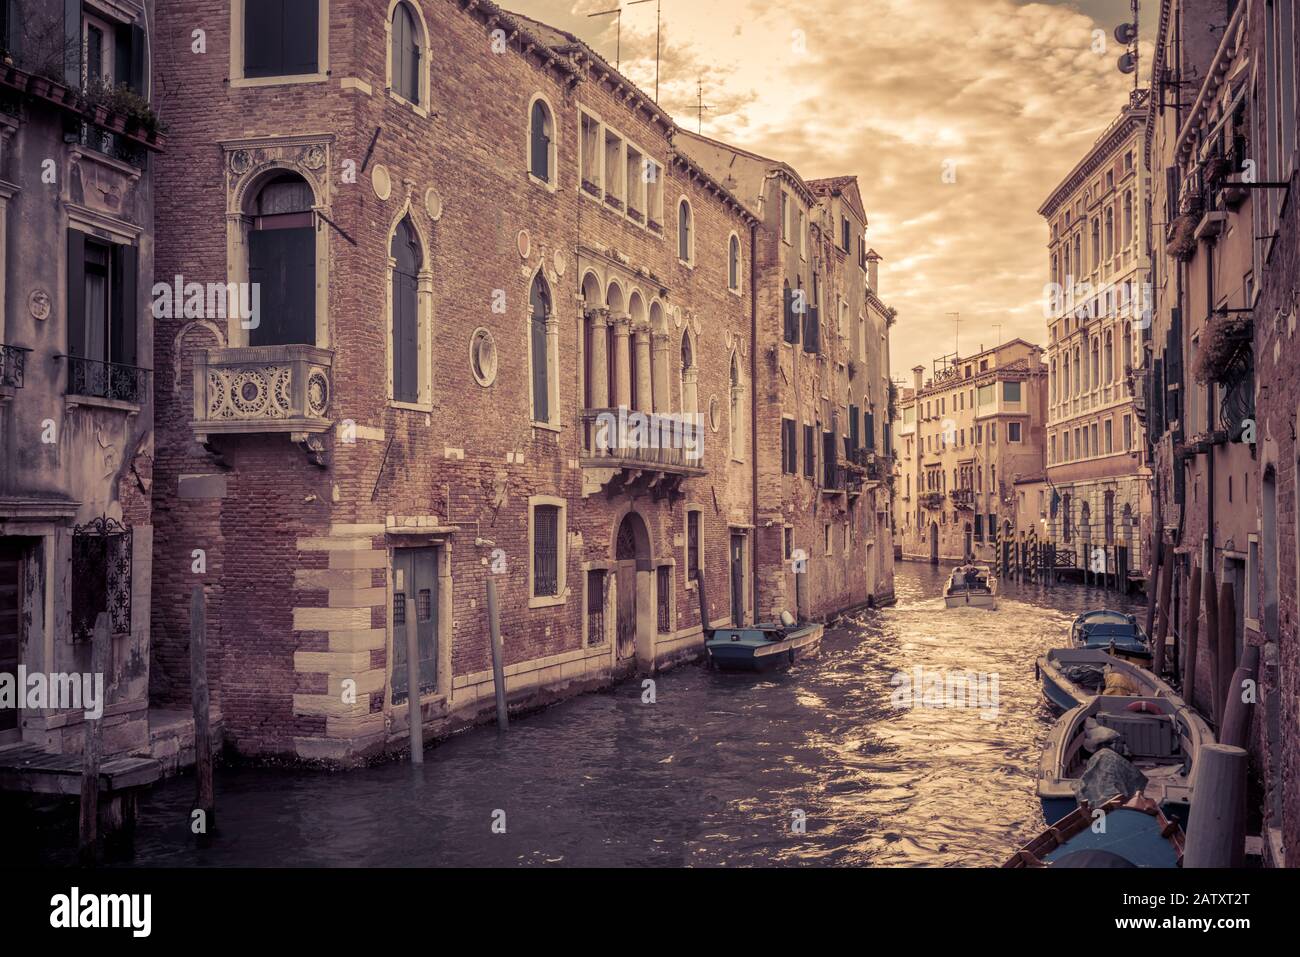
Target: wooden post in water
x,y
498,664
203,795
1237,710
1210,594
88,836
414,717
1227,649
1153,578
1193,627
1216,826
1162,635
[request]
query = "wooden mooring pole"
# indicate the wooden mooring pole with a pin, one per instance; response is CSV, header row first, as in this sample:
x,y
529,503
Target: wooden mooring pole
x,y
498,665
414,716
1216,826
1193,627
1227,650
1210,594
204,799
88,836
1162,634
1237,709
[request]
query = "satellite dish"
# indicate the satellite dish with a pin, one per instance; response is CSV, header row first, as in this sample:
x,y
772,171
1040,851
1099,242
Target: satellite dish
x,y
1127,63
1125,33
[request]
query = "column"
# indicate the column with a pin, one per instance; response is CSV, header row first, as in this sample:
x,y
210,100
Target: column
x,y
662,391
644,390
622,360
598,364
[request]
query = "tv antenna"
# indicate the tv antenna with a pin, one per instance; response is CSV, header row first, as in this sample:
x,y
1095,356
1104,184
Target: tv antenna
x,y
956,333
618,33
700,105
1127,34
658,9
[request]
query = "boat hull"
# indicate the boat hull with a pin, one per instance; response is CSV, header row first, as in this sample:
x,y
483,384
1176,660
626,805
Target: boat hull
x,y
967,600
740,649
1137,834
1064,693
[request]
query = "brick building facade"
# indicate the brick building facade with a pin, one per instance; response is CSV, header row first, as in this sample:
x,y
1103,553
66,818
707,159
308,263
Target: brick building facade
x,y
1220,391
460,269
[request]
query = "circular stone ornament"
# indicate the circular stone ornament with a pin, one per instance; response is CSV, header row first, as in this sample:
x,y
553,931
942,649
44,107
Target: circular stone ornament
x,y
715,414
381,181
433,204
560,262
483,356
38,303
524,243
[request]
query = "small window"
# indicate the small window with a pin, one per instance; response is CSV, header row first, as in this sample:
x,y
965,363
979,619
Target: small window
x,y
595,607
809,452
405,54
101,577
789,448
692,545
405,252
664,599
281,37
541,143
1013,431
1011,392
685,233
546,551
733,264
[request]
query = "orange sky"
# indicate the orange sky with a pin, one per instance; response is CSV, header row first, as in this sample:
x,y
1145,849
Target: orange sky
x,y
1012,93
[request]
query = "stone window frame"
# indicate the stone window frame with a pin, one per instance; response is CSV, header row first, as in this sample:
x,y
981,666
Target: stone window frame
x,y
237,78
425,92
691,230
290,154
733,242
425,311
561,552
608,607
553,422
686,543
552,183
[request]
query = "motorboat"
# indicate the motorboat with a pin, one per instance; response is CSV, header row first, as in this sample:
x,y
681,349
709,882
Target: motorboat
x,y
1070,676
762,647
1113,631
971,586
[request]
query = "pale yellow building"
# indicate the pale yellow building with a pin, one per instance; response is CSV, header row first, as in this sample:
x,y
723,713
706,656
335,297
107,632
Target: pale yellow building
x,y
1096,303
964,438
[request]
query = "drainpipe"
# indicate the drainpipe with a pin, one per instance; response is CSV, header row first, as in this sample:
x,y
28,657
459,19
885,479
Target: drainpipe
x,y
753,411
1209,406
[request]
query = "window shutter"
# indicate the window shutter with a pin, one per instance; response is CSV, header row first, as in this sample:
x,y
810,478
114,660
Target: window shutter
x,y
283,263
264,24
870,420
72,43
854,428
406,346
541,398
298,32
541,145
76,293
122,344
129,56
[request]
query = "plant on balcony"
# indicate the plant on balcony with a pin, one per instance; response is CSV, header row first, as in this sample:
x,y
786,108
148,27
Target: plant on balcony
x,y
122,109
1223,337
891,316
1182,237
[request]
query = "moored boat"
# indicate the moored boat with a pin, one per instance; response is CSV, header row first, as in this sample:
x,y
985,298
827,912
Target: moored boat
x,y
1154,738
1070,676
971,586
1136,833
1112,631
762,647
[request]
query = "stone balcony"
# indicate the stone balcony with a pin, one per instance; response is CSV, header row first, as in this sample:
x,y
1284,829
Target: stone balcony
x,y
656,455
264,389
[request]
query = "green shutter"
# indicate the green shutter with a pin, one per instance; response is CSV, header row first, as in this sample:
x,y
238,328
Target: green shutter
x,y
126,308
76,318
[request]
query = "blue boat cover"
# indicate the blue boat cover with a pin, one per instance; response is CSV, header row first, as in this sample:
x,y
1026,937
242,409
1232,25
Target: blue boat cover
x,y
1130,834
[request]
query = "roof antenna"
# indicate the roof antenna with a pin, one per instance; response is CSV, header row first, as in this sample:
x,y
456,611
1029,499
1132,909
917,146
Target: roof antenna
x,y
618,33
700,106
658,8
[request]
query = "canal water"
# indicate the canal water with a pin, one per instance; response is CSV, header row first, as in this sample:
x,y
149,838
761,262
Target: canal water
x,y
818,765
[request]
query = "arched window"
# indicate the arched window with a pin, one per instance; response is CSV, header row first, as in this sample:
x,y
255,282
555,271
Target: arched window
x,y
690,403
1067,531
1095,364
1053,382
541,141
1128,219
1110,232
282,261
737,406
1110,357
405,54
539,300
685,233
733,263
1078,379
405,253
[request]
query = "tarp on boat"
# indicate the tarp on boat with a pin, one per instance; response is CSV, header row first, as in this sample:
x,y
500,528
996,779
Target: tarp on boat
x,y
1107,775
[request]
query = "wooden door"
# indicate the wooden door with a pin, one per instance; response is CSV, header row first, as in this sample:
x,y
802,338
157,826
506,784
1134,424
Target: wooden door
x,y
737,579
415,577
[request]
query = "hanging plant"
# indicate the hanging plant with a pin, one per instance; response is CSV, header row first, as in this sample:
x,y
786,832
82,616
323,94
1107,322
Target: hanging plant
x,y
1182,241
1221,339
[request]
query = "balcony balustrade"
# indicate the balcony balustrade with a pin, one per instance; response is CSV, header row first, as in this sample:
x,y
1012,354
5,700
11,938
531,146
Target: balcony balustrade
x,y
651,449
259,389
114,381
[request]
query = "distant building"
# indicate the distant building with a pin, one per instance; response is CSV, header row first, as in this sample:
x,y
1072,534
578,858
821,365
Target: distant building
x,y
965,436
1096,301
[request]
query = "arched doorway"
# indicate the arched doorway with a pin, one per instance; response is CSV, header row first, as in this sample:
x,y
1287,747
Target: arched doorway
x,y
634,582
934,543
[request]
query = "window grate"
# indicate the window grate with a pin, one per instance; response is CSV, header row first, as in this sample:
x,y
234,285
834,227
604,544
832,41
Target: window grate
x,y
595,608
546,578
101,577
663,595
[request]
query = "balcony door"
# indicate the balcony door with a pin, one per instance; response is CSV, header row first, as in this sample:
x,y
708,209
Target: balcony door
x,y
282,263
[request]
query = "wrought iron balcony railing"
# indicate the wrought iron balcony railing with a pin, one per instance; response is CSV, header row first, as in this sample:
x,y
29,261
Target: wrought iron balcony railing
x,y
106,380
13,364
281,388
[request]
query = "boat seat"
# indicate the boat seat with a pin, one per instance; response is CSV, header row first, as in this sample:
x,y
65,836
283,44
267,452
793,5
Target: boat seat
x,y
1145,735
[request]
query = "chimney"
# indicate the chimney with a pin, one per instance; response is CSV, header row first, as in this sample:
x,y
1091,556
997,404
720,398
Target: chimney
x,y
917,373
873,271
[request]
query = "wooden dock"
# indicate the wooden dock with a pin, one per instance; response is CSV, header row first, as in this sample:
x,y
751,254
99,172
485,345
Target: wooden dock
x,y
29,769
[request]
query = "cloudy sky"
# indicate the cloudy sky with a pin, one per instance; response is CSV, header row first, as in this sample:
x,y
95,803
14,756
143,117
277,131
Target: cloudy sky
x,y
1012,93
